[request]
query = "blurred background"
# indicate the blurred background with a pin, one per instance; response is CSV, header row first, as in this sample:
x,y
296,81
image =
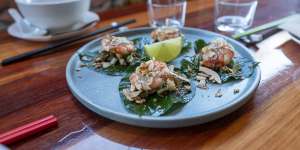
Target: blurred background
x,y
100,6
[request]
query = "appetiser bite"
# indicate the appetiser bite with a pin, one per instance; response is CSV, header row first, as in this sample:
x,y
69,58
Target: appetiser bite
x,y
217,54
153,77
215,63
114,50
117,54
154,88
165,33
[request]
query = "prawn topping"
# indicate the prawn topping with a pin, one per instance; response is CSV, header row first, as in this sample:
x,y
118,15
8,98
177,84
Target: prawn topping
x,y
150,77
114,51
118,45
165,33
217,54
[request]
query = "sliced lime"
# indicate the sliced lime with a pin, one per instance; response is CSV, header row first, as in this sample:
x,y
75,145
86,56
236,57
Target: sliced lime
x,y
166,50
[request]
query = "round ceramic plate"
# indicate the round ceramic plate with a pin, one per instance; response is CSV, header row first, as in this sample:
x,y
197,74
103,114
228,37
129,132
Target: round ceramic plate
x,y
99,92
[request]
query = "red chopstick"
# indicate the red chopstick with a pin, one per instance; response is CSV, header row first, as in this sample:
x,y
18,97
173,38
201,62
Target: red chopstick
x,y
27,130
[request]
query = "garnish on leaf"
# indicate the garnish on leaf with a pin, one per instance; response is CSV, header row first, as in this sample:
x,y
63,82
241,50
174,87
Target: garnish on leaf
x,y
186,47
199,44
190,67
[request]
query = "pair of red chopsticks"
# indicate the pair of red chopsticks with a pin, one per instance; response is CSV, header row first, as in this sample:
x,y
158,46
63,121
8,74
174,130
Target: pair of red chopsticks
x,y
27,130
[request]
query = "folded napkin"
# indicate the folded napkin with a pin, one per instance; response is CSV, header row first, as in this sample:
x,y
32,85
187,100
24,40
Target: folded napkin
x,y
292,26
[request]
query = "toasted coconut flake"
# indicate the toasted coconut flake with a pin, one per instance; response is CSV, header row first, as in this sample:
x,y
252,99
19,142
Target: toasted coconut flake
x,y
140,101
106,64
171,85
187,87
203,75
235,91
82,65
213,76
122,61
200,78
218,94
202,84
113,61
179,77
165,33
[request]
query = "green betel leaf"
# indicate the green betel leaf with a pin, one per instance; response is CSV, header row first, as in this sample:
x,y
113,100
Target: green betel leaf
x,y
240,68
155,104
190,67
199,44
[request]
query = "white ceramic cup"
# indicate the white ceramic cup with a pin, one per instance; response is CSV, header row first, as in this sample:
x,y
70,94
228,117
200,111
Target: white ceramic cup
x,y
55,15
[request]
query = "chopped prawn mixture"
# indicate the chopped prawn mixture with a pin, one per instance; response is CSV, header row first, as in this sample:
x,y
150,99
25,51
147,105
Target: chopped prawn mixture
x,y
114,50
120,46
165,33
217,54
154,77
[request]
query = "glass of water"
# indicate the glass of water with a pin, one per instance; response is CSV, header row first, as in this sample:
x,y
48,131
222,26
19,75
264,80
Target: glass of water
x,y
167,12
234,16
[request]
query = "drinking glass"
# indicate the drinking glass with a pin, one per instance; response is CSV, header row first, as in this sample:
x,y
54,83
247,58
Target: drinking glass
x,y
166,12
234,15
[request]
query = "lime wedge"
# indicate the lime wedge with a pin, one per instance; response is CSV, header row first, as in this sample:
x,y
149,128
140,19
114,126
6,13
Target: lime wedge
x,y
166,50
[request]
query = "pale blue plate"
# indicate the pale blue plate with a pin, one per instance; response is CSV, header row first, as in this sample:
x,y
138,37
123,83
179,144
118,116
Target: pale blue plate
x,y
99,92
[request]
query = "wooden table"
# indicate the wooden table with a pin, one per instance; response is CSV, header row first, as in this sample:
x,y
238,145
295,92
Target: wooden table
x,y
35,88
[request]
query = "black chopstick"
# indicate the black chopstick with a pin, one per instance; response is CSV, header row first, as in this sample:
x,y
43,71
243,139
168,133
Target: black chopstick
x,y
52,47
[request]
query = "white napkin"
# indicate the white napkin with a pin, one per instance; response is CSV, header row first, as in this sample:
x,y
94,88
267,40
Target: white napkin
x,y
292,26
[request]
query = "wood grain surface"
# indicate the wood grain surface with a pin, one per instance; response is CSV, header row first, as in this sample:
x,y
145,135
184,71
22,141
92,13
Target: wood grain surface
x,y
35,88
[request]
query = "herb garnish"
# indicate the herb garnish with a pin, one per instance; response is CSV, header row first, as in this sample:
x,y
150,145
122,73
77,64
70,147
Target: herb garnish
x,y
190,67
199,44
186,47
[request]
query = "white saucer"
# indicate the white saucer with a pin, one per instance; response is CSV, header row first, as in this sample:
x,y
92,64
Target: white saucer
x,y
89,21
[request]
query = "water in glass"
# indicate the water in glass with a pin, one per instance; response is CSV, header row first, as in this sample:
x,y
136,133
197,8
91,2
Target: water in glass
x,y
166,12
234,15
